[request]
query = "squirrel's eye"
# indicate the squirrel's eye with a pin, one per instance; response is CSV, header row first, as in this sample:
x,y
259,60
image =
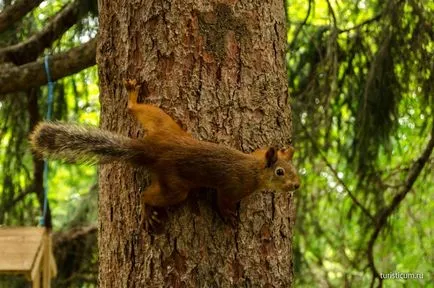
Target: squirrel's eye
x,y
279,171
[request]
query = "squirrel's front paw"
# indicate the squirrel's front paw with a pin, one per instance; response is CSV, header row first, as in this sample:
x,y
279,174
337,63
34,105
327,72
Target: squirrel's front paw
x,y
150,219
153,219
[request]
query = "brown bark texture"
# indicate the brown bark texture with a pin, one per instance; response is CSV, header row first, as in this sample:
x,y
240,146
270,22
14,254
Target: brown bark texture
x,y
218,68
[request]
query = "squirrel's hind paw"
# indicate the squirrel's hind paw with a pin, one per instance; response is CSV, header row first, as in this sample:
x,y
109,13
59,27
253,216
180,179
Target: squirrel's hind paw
x,y
150,220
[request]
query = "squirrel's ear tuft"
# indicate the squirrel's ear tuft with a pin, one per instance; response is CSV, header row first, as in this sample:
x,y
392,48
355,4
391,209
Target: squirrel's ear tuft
x,y
286,154
271,156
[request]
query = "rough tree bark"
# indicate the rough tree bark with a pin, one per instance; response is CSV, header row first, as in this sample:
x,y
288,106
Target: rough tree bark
x,y
218,68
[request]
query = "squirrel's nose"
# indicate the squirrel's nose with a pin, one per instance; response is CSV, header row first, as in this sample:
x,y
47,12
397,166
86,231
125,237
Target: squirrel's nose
x,y
296,186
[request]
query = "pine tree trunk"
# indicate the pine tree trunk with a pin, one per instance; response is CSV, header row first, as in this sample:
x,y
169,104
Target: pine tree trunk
x,y
219,69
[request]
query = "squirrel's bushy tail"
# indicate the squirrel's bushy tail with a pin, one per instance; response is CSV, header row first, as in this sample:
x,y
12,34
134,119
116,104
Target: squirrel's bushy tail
x,y
86,144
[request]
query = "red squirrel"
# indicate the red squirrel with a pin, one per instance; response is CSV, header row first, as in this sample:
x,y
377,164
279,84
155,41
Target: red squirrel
x,y
176,161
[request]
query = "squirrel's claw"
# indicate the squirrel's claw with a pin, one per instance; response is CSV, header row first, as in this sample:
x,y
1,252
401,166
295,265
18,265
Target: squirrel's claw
x,y
154,217
150,220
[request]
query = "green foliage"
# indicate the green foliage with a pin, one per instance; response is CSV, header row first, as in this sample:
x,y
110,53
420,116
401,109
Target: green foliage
x,y
72,189
360,77
76,100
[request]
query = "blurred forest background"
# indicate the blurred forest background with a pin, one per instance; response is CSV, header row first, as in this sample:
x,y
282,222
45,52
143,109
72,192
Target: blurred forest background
x,y
360,74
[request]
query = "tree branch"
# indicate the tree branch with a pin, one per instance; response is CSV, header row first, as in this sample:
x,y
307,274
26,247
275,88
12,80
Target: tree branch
x,y
384,214
73,234
28,50
366,22
15,12
18,198
61,65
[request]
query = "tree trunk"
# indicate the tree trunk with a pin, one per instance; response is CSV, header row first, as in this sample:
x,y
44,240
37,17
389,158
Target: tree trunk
x,y
217,68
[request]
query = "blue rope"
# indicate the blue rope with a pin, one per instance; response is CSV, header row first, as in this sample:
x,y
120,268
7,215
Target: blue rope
x,y
48,117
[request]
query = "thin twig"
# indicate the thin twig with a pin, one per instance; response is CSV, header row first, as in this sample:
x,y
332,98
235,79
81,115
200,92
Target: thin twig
x,y
335,174
335,22
300,26
18,198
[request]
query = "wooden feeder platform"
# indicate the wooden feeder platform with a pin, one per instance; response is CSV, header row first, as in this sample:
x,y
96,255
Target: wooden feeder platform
x,y
27,251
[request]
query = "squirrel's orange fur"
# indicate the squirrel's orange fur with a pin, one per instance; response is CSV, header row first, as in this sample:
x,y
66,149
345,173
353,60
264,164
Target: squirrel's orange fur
x,y
232,173
176,161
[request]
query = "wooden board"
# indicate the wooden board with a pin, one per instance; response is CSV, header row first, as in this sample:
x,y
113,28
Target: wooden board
x,y
19,248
